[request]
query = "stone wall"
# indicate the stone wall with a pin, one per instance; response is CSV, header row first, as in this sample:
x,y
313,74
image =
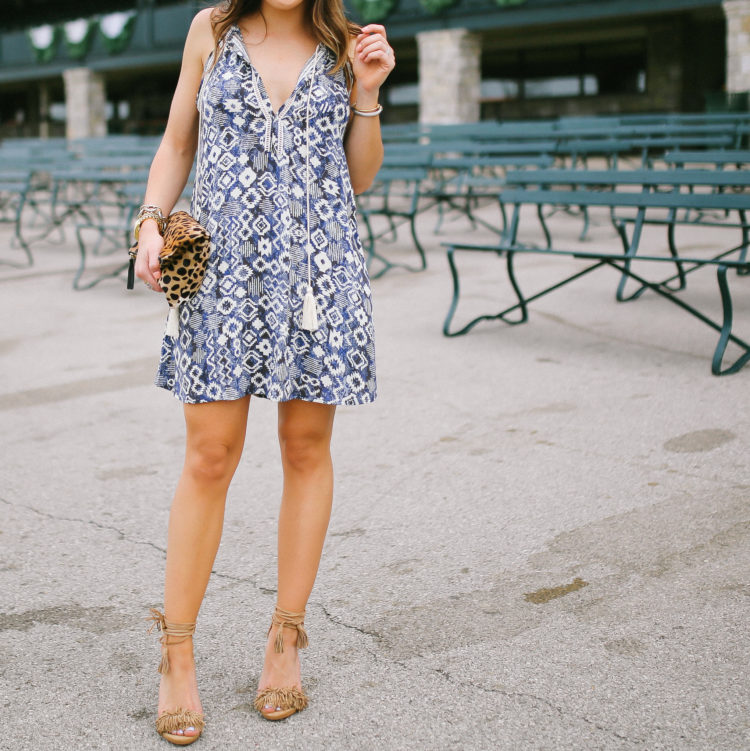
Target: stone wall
x,y
449,76
85,103
738,45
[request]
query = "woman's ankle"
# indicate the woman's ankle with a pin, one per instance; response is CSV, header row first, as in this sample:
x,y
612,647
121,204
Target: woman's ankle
x,y
289,636
181,655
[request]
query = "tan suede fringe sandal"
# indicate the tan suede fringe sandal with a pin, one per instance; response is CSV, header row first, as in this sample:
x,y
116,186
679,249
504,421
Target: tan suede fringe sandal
x,y
286,701
179,719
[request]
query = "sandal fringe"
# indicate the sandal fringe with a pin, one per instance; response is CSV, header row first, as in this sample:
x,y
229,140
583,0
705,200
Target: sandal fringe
x,y
180,719
286,698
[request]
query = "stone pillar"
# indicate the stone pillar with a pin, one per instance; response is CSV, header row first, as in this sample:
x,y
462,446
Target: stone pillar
x,y
85,103
43,110
449,76
738,45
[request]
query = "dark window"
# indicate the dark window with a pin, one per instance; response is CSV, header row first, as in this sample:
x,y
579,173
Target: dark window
x,y
579,70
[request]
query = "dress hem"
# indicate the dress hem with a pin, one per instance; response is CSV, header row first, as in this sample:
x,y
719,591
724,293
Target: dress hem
x,y
261,395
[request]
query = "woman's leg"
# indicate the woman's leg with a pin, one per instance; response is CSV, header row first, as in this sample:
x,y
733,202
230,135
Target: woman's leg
x,y
304,438
214,441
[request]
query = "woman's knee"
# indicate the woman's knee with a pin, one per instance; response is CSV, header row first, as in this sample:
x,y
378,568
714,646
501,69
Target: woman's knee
x,y
211,461
304,451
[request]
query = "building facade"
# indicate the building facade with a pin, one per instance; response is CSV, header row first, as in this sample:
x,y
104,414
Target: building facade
x,y
76,68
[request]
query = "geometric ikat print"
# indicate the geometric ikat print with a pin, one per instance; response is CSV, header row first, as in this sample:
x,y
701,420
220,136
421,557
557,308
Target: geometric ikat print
x,y
242,334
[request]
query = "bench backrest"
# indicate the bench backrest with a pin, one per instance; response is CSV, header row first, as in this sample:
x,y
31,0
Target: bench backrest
x,y
673,200
673,177
724,156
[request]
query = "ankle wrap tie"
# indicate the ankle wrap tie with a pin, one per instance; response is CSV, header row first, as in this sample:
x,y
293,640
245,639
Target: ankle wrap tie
x,y
286,619
178,631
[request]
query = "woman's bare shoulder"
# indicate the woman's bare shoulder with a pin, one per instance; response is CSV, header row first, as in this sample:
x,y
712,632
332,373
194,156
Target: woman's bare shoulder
x,y
202,20
200,38
202,24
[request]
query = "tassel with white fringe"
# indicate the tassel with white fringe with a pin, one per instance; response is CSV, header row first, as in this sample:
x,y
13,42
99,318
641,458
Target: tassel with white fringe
x,y
173,323
309,311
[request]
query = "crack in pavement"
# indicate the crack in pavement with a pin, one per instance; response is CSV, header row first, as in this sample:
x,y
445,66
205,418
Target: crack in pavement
x,y
376,655
373,634
465,684
127,538
91,522
474,686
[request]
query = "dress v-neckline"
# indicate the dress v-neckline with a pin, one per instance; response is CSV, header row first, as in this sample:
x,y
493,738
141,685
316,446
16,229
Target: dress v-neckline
x,y
263,91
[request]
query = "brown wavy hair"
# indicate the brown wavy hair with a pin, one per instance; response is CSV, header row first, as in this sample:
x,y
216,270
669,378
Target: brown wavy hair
x,y
327,18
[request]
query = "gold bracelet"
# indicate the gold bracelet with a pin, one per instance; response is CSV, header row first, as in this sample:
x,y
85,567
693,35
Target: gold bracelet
x,y
149,212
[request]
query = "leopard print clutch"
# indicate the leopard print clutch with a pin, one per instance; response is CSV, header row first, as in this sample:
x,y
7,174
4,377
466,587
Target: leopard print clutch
x,y
183,258
182,261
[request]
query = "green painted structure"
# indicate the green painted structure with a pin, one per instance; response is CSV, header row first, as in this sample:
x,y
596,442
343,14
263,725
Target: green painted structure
x,y
672,51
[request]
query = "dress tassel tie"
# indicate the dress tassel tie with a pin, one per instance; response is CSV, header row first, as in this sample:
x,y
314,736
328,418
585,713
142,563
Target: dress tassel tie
x,y
173,323
309,308
309,311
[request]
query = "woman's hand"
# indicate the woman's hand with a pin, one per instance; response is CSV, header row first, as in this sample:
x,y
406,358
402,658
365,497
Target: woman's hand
x,y
150,244
373,59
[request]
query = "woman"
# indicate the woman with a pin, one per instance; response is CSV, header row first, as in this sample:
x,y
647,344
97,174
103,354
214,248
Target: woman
x,y
280,100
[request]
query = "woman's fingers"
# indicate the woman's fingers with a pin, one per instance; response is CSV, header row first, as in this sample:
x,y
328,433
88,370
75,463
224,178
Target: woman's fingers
x,y
377,52
147,266
371,28
370,32
374,47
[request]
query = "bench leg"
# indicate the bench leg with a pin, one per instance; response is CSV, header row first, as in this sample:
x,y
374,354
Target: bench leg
x,y
417,244
372,254
745,240
450,252
543,222
725,335
441,216
19,238
724,329
682,282
586,223
503,216
369,246
520,307
82,264
629,248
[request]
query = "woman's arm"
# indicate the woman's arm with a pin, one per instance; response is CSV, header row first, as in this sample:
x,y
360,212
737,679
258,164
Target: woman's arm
x,y
174,158
372,61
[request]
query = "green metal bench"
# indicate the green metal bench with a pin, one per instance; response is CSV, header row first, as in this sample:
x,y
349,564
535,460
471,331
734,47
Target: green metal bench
x,y
112,234
397,196
649,180
463,182
643,203
740,158
15,186
649,148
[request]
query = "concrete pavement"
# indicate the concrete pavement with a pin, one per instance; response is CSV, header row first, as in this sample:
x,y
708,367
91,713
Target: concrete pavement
x,y
540,536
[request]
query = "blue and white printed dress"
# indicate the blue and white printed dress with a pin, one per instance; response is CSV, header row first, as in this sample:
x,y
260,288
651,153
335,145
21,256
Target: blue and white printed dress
x,y
242,333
